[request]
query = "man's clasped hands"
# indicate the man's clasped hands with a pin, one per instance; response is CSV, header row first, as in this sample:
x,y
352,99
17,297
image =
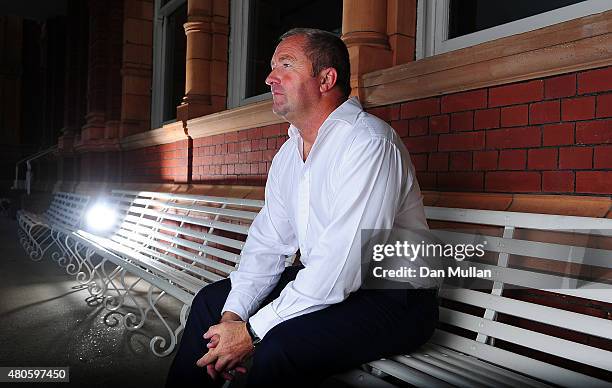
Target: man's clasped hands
x,y
229,346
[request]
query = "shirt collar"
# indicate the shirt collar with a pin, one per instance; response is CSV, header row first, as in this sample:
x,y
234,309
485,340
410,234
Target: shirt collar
x,y
347,112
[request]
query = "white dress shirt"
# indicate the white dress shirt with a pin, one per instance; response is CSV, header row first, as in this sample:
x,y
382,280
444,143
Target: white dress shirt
x,y
358,175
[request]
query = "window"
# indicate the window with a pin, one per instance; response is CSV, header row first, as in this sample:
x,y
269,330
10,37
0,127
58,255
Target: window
x,y
255,28
169,53
447,25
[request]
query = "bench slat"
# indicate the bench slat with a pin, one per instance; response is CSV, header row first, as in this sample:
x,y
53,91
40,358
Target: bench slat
x,y
486,379
199,209
413,376
192,220
128,227
561,318
517,362
582,225
484,368
542,250
187,232
187,255
542,342
437,372
547,282
189,197
135,248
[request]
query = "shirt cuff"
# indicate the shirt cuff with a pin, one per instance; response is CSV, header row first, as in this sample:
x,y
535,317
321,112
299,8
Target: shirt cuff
x,y
234,304
265,319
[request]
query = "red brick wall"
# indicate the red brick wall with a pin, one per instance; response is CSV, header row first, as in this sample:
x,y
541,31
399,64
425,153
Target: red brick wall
x,y
162,163
242,157
551,135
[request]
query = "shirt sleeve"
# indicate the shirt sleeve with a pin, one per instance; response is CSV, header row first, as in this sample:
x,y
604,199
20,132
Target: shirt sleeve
x,y
270,239
369,182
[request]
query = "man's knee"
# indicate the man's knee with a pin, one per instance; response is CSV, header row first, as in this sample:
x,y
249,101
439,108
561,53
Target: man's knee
x,y
269,351
271,362
215,292
280,361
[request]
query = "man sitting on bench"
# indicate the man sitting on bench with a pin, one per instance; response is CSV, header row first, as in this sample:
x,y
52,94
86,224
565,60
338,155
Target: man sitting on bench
x,y
341,171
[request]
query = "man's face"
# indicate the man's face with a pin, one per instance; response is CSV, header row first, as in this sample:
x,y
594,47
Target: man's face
x,y
294,89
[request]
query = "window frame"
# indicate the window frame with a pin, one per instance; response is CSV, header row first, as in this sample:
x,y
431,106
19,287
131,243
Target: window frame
x,y
162,60
433,18
238,53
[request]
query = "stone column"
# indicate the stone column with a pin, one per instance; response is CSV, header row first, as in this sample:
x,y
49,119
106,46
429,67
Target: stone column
x,y
207,32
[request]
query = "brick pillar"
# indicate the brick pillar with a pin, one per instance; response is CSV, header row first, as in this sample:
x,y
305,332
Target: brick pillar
x,y
114,47
100,134
401,29
76,75
364,30
376,32
184,155
136,67
11,43
94,127
207,30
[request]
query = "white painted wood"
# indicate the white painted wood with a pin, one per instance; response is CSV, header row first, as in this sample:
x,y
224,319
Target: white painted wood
x,y
432,31
542,250
586,225
516,362
504,376
439,373
153,240
580,323
542,342
403,372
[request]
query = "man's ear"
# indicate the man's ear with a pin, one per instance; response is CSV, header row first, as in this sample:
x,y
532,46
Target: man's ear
x,y
327,79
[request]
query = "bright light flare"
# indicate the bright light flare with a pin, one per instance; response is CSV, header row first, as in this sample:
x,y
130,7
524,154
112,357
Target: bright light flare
x,y
101,217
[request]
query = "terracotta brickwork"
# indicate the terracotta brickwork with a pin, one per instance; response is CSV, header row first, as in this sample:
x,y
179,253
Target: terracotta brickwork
x,y
161,163
548,135
551,135
242,157
136,67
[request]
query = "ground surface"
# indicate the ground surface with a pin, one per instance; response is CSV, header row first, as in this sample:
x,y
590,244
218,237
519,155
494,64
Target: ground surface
x,y
46,320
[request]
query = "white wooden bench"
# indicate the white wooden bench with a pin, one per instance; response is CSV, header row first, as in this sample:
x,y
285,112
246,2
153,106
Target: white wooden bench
x,y
176,243
39,232
503,336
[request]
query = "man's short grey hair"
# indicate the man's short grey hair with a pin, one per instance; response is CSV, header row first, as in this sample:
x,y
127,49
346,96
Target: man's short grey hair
x,y
325,50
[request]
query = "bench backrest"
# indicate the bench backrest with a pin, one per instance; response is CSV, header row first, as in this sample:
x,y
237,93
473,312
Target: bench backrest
x,y
200,236
551,299
67,209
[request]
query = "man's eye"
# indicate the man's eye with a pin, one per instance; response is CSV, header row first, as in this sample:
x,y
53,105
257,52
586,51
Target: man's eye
x,y
286,65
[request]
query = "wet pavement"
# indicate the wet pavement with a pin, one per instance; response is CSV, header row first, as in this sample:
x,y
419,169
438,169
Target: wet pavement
x,y
47,319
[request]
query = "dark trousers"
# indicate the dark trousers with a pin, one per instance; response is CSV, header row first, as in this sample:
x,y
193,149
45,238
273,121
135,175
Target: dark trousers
x,y
303,351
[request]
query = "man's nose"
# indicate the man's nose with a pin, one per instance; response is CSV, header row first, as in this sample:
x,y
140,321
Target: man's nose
x,y
271,78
